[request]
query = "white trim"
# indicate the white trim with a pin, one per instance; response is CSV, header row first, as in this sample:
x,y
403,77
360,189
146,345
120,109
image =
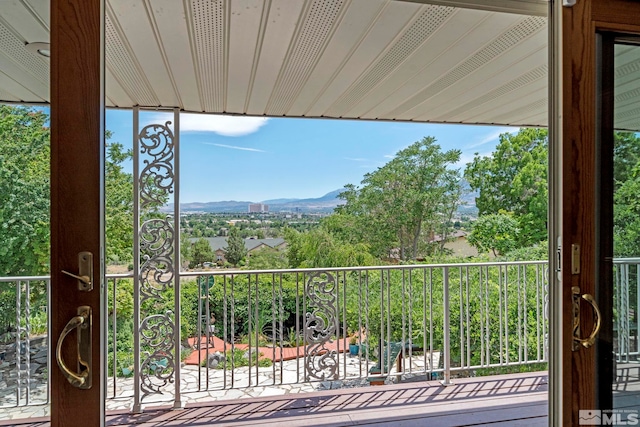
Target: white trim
x,y
137,405
177,402
556,356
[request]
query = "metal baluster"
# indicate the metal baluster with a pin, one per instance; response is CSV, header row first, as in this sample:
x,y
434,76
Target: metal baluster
x,y
506,313
27,339
446,327
258,331
404,323
342,339
368,349
431,317
225,330
525,317
488,315
538,302
460,314
468,319
298,326
18,346
519,288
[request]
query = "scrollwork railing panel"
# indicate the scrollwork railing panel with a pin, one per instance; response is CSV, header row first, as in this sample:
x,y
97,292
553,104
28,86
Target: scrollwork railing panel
x,y
158,365
156,242
157,177
321,327
156,248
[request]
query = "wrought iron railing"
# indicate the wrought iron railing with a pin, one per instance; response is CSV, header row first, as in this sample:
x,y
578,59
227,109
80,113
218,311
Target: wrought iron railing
x,y
283,328
24,344
626,308
439,320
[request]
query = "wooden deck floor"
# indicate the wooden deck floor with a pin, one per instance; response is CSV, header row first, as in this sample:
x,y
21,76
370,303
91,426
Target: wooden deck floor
x,y
506,400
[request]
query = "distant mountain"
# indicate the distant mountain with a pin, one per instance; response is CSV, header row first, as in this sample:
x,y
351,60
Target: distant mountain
x,y
229,206
278,201
323,204
333,195
468,196
326,203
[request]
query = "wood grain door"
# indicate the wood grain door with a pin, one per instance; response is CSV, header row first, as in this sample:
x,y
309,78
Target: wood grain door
x,y
589,33
77,158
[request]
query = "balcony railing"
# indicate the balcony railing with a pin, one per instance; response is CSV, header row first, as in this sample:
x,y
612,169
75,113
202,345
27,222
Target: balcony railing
x,y
438,320
291,328
626,308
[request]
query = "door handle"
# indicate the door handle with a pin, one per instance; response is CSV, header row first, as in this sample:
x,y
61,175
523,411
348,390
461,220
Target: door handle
x,y
81,322
85,271
578,341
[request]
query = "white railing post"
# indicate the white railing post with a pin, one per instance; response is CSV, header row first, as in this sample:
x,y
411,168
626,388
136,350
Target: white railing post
x,y
177,399
446,329
137,405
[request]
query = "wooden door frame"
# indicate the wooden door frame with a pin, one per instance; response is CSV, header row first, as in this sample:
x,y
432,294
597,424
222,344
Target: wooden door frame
x,y
581,201
77,200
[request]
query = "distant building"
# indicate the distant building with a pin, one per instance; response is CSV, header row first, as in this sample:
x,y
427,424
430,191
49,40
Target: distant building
x,y
457,243
219,244
258,208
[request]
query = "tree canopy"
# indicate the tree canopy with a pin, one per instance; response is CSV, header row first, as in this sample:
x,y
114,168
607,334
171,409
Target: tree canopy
x,y
118,204
321,248
24,191
201,252
626,213
236,250
514,179
497,233
404,202
24,194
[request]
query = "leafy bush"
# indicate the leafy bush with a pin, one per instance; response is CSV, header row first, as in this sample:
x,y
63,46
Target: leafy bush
x,y
237,358
38,323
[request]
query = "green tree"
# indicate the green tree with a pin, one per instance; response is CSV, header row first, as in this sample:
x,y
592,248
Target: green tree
x,y
318,248
626,155
24,191
626,213
185,250
514,179
119,204
404,202
267,259
201,252
236,250
495,232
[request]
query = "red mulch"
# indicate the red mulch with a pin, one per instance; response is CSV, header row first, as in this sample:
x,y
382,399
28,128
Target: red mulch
x,y
288,353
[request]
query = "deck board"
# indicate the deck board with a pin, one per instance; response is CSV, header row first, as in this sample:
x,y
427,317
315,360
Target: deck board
x,y
513,400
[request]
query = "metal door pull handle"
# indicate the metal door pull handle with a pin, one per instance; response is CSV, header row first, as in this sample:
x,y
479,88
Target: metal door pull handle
x,y
591,339
82,322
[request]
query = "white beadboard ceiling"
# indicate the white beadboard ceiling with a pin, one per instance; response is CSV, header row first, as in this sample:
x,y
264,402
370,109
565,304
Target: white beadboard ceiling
x,y
467,61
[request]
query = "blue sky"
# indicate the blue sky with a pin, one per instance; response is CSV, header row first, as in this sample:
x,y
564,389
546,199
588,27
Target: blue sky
x,y
255,159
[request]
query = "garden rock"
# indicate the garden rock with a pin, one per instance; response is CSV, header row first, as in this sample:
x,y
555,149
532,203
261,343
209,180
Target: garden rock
x,y
213,360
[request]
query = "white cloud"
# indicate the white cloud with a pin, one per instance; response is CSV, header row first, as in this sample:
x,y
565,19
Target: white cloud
x,y
222,125
235,147
356,159
492,137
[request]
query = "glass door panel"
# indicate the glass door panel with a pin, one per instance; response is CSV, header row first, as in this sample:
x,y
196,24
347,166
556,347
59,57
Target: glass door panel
x,y
625,299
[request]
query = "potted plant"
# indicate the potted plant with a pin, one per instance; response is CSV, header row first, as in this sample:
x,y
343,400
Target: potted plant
x,y
354,348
